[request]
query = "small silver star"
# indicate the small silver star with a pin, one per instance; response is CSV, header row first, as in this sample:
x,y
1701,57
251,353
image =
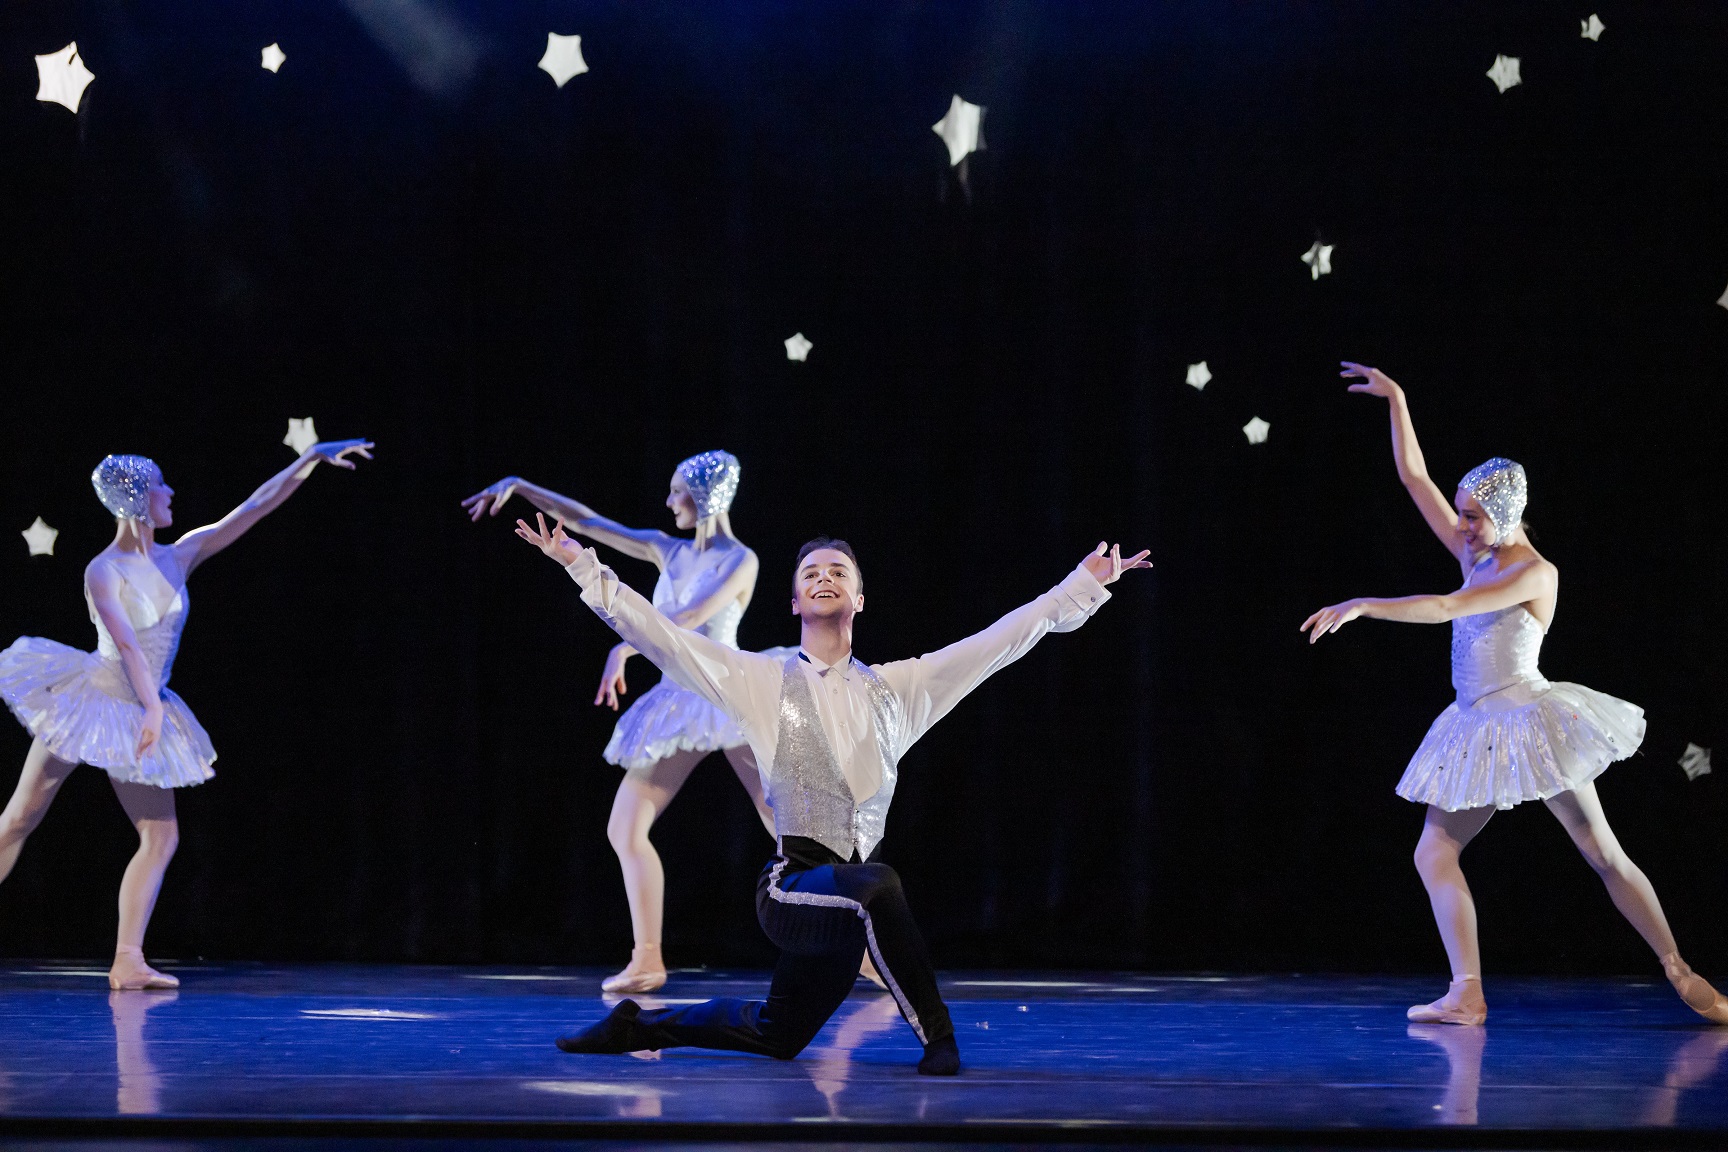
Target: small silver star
x,y
1319,260
1505,72
1256,430
1695,761
301,434
1199,375
961,129
272,58
563,58
61,77
40,538
797,348
1592,28
1723,299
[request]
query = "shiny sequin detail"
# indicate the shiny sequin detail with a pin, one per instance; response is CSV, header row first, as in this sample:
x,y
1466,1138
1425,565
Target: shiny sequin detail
x,y
712,478
1501,487
122,483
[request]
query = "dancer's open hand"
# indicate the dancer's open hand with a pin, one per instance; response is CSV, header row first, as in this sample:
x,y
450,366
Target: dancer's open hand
x,y
1330,619
497,495
612,683
151,732
1107,566
337,452
554,543
1378,383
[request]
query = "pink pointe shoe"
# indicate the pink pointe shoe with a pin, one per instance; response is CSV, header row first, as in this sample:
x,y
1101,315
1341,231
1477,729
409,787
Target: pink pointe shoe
x,y
868,970
1462,1004
1695,990
646,972
131,974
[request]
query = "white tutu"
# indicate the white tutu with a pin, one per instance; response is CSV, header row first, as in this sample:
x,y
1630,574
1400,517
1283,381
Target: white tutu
x,y
82,707
1527,742
668,719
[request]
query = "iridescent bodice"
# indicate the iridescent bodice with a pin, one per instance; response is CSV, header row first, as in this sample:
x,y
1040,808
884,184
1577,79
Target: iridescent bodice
x,y
158,633
1492,651
671,596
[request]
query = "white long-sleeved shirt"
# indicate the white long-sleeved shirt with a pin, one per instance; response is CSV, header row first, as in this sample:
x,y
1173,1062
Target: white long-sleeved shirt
x,y
747,685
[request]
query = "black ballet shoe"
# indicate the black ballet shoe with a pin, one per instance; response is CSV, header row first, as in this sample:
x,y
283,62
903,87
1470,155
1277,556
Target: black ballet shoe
x,y
941,1058
617,1034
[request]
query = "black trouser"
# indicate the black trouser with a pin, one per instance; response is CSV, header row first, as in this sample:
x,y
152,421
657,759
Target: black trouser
x,y
821,912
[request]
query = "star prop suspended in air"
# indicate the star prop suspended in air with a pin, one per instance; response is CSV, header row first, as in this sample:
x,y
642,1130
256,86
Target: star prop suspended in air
x,y
1319,260
961,129
1723,299
40,538
301,434
1592,28
272,58
563,59
1695,761
1256,430
798,348
1199,375
61,77
1505,72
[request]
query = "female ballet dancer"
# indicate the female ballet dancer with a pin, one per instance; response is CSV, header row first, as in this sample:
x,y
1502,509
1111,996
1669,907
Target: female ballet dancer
x,y
705,584
1511,735
84,707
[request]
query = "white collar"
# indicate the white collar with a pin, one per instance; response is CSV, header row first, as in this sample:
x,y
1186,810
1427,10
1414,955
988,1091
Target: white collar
x,y
821,668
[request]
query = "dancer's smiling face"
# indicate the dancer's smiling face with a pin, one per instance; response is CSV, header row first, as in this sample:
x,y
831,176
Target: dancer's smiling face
x,y
827,586
1474,524
160,502
683,504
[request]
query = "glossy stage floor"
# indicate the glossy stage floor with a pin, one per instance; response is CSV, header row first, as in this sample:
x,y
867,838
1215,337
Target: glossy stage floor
x,y
368,1054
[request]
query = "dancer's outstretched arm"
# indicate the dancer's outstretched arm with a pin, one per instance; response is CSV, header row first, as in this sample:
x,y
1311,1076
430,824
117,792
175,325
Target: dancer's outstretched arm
x,y
104,584
734,578
648,544
1518,584
200,544
1407,455
931,685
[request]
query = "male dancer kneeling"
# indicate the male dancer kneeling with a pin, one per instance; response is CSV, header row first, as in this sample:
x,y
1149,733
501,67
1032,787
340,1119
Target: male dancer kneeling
x,y
829,732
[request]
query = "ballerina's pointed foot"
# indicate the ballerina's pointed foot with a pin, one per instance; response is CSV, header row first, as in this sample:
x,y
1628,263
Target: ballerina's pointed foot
x,y
1695,990
1462,1004
131,974
645,973
868,970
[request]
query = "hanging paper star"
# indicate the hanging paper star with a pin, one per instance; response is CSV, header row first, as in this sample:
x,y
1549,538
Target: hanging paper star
x,y
273,57
1199,375
61,77
1695,761
1256,430
1592,27
1505,72
40,538
797,348
301,434
1723,299
961,129
1319,260
563,58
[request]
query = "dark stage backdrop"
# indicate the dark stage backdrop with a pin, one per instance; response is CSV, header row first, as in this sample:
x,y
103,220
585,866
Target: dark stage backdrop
x,y
411,234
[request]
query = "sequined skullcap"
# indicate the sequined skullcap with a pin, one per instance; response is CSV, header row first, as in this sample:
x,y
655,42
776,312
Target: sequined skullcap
x,y
122,483
1501,487
712,478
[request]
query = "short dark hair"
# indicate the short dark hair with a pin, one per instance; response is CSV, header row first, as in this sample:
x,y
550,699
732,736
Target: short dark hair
x,y
832,545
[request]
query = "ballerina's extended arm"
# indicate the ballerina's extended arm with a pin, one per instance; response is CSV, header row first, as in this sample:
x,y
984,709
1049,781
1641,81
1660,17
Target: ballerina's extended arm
x,y
200,544
648,544
1407,455
1518,584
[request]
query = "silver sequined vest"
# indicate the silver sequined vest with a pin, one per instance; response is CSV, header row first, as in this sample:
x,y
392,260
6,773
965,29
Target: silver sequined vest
x,y
807,789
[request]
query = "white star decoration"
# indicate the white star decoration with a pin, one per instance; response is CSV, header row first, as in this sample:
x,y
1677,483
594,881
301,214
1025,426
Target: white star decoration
x,y
1199,375
61,77
563,58
301,434
40,538
798,348
1319,260
961,129
1505,72
272,58
1256,430
1592,28
1723,299
1695,761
